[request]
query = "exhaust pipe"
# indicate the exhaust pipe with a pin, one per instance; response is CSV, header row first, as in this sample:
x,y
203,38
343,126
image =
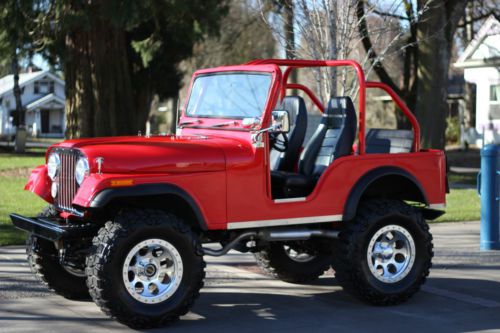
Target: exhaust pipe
x,y
273,236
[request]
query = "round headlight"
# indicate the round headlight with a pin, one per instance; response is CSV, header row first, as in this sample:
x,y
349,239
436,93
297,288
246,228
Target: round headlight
x,y
81,170
53,165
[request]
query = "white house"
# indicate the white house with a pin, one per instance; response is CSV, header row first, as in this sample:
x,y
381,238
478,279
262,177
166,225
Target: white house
x,y
481,64
42,95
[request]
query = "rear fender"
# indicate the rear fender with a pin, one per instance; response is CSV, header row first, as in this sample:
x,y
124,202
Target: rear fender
x,y
413,193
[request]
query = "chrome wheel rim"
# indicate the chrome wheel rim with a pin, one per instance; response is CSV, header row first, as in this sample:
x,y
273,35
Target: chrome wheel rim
x,y
297,255
391,254
152,271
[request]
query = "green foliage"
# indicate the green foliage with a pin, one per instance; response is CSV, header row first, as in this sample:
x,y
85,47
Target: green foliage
x,y
158,33
452,133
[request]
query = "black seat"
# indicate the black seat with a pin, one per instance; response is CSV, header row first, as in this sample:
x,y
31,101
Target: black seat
x,y
333,139
287,161
386,141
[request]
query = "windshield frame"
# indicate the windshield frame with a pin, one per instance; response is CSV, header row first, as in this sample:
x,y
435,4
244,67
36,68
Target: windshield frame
x,y
228,73
273,95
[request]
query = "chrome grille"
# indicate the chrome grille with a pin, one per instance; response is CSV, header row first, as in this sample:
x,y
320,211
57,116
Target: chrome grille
x,y
66,179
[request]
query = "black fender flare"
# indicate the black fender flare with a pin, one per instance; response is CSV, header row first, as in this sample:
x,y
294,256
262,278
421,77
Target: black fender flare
x,y
367,179
107,195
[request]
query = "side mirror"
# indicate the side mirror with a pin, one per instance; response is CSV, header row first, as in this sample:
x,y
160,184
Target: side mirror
x,y
280,121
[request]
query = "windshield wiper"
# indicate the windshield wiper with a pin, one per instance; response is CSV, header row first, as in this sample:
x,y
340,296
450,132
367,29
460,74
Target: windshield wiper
x,y
227,123
186,123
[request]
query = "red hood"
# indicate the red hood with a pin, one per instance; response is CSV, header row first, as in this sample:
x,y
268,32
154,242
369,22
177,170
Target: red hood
x,y
157,154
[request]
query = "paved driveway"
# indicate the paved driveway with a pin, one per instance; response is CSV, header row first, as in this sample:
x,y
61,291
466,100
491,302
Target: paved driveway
x,y
462,294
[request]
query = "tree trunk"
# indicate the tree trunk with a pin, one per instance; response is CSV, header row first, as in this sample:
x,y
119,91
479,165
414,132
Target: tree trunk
x,y
99,93
333,51
435,32
288,27
20,144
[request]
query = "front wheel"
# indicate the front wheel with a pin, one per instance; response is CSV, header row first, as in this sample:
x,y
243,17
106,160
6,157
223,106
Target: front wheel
x,y
384,255
146,268
43,260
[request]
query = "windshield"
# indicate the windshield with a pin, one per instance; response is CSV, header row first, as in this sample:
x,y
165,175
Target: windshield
x,y
235,95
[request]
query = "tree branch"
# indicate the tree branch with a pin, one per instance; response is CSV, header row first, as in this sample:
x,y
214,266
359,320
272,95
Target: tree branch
x,y
372,54
400,17
474,19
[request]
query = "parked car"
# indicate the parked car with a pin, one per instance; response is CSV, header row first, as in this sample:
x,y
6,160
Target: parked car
x,y
129,217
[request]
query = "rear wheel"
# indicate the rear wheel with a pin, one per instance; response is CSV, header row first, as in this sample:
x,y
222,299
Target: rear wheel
x,y
293,262
384,256
146,268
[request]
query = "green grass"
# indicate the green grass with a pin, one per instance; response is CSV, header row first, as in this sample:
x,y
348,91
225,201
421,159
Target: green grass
x,y
462,205
12,196
14,161
15,199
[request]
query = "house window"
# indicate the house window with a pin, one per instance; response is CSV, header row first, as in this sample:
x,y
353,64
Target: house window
x,y
495,101
495,93
7,104
44,87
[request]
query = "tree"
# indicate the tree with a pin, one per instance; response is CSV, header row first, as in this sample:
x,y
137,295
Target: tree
x,y
329,29
242,37
407,48
116,55
433,29
14,42
435,33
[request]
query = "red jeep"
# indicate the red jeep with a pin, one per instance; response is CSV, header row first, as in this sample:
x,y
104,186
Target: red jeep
x,y
129,216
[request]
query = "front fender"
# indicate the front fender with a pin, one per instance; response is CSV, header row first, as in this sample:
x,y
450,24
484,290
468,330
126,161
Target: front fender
x,y
39,183
208,201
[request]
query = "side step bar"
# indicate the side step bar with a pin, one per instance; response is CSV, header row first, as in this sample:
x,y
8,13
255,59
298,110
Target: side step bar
x,y
52,230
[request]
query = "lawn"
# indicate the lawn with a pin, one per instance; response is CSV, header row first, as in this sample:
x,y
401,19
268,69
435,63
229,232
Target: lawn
x,y
15,161
462,204
14,199
13,176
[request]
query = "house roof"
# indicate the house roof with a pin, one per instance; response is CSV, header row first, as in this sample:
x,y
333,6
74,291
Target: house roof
x,y
7,82
50,98
484,49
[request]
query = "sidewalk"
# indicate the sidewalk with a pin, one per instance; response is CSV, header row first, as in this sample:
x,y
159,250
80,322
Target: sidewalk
x,y
462,294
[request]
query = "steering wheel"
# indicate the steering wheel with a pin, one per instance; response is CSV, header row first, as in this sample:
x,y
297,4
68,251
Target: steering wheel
x,y
278,141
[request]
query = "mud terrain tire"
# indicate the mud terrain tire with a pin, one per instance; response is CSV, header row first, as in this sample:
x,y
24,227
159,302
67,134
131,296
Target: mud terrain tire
x,y
106,266
351,263
276,262
43,261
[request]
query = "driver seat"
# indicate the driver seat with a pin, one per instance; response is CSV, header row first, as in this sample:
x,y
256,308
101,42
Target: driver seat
x,y
287,160
333,138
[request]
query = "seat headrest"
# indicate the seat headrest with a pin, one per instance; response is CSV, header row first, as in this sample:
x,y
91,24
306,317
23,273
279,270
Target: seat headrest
x,y
294,105
337,112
